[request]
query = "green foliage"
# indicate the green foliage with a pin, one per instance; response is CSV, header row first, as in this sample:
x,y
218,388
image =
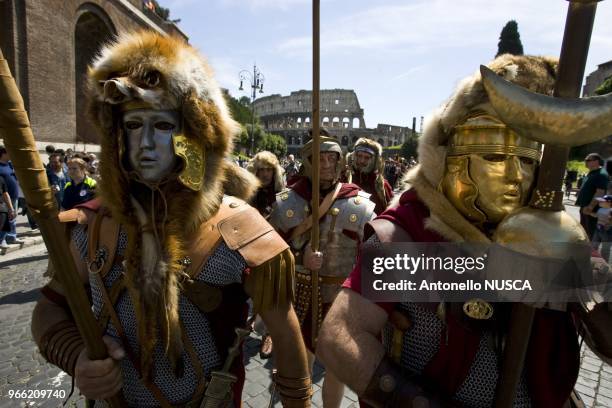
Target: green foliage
x,y
240,109
510,40
577,165
272,143
163,12
605,87
409,148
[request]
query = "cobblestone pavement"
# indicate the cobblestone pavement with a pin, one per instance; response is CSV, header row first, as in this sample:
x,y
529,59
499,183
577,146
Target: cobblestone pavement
x,y
23,369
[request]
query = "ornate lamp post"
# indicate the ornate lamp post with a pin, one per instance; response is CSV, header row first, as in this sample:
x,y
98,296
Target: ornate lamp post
x,y
256,80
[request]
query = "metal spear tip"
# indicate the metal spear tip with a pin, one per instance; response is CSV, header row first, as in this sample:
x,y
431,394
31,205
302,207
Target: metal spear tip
x,y
563,122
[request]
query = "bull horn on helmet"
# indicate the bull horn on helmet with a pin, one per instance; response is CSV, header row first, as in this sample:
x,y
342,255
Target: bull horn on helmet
x,y
553,121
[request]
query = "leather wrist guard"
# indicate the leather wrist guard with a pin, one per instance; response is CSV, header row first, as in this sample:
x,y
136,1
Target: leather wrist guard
x,y
61,345
389,387
293,392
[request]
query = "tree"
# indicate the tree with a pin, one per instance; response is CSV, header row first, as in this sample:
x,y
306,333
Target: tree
x,y
510,40
272,143
605,87
241,111
409,148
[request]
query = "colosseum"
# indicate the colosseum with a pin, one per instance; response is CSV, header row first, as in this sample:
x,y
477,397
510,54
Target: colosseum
x,y
290,117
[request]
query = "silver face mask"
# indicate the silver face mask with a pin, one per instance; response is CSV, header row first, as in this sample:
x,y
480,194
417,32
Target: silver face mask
x,y
149,142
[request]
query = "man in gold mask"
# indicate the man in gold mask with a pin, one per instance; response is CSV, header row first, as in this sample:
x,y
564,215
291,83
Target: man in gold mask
x,y
473,172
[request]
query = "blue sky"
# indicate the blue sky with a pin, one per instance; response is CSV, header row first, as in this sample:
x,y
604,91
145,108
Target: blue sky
x,y
403,58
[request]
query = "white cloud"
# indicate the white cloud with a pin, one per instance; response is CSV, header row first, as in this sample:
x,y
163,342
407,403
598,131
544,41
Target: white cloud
x,y
226,71
429,25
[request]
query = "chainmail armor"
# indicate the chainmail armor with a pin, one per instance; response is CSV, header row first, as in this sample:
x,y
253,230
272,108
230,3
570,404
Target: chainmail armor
x,y
222,268
421,342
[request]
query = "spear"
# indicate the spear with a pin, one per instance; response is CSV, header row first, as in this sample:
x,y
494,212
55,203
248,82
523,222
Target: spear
x,y
572,61
19,142
314,237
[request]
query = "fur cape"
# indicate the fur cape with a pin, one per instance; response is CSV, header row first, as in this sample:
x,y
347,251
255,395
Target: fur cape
x,y
268,159
537,74
162,73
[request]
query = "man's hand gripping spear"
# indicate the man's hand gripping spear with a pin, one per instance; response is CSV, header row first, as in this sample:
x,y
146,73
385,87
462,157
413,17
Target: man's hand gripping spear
x,y
17,134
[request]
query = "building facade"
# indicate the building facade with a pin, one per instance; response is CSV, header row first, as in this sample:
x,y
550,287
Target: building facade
x,y
291,116
596,78
48,45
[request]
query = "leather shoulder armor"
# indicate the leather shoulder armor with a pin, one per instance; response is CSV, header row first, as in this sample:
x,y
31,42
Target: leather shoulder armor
x,y
244,230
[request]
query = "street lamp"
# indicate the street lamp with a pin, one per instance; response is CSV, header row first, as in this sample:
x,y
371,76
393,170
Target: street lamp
x,y
256,80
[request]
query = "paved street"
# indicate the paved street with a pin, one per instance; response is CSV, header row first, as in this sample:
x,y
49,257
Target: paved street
x,y
22,368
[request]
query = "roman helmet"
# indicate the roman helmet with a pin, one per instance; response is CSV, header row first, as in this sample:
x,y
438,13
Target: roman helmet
x,y
327,144
466,129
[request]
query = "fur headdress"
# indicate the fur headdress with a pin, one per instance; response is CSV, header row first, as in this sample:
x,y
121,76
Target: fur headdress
x,y
145,69
534,73
268,159
372,147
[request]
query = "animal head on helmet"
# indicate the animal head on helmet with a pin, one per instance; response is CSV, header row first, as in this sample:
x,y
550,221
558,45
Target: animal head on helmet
x,y
488,169
165,133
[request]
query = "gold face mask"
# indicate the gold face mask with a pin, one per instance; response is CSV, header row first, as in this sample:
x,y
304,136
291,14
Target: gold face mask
x,y
489,170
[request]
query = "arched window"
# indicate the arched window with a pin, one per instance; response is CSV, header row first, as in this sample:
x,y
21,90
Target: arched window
x,y
93,28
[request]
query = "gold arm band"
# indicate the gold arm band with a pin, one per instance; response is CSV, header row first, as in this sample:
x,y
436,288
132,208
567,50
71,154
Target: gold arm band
x,y
294,392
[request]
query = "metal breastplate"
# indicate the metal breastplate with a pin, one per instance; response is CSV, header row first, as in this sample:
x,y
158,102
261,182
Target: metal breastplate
x,y
339,249
222,268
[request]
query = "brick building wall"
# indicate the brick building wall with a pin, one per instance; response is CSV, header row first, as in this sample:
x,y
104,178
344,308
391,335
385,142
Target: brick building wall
x,y
48,44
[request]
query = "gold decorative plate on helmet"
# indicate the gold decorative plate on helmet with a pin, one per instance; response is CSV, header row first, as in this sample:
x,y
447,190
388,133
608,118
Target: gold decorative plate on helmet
x,y
192,174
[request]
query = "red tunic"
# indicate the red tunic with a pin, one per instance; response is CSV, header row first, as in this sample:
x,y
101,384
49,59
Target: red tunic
x,y
553,356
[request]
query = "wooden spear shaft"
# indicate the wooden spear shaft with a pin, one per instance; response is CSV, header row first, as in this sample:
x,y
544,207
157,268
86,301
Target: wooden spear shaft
x,y
574,51
316,138
19,142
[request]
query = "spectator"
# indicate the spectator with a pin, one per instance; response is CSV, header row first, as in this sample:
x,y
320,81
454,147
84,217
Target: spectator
x,y
80,188
594,185
57,176
63,159
6,171
603,231
25,210
291,170
49,149
7,212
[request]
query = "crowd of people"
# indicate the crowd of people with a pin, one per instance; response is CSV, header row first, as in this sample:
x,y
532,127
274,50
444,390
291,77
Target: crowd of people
x,y
72,177
173,252
594,198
